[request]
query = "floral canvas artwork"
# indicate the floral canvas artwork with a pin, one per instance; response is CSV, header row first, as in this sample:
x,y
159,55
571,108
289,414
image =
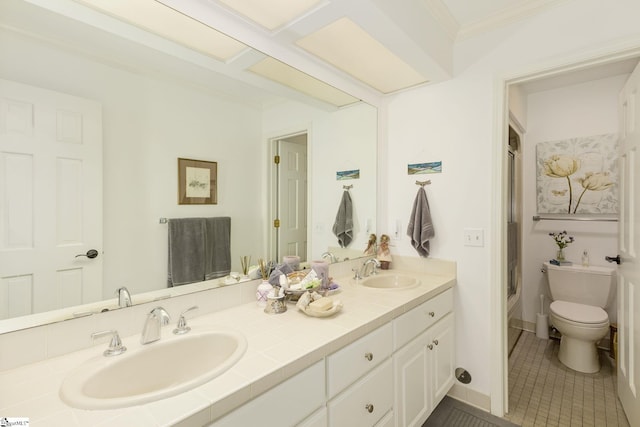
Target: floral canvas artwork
x,y
578,175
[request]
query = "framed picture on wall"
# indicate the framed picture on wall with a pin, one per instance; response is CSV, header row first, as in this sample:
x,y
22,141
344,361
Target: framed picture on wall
x,y
197,182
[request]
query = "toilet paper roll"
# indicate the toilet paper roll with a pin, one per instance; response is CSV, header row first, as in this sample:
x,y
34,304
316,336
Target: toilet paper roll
x,y
542,326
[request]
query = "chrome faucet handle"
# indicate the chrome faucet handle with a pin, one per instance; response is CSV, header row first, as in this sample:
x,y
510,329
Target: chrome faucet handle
x,y
115,345
356,273
181,327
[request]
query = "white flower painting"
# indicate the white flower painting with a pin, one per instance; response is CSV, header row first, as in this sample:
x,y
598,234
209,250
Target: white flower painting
x,y
578,175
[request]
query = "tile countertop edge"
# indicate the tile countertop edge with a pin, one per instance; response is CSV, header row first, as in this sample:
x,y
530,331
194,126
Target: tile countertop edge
x,y
236,386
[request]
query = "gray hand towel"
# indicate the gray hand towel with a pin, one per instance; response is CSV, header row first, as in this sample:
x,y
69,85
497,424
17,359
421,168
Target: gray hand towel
x,y
420,227
343,226
217,240
186,251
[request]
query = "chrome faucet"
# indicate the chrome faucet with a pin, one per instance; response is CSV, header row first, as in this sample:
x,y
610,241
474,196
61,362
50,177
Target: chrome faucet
x,y
157,318
124,297
370,261
332,257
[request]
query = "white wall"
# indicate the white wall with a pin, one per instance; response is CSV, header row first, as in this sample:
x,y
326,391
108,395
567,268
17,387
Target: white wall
x,y
148,123
337,141
459,122
575,111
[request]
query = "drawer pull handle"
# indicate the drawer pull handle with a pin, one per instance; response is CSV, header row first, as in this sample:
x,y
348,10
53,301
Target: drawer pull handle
x,y
368,356
432,313
369,407
430,346
435,342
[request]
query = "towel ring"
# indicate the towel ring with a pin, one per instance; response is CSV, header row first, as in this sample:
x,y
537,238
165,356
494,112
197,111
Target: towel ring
x,y
423,183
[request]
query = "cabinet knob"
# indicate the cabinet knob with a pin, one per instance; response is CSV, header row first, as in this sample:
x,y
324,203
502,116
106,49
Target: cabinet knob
x,y
369,407
430,346
368,356
435,342
432,313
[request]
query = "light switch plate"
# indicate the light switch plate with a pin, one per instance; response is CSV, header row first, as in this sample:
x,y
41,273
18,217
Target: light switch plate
x,y
473,237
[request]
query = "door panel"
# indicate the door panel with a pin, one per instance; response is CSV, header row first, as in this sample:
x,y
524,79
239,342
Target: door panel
x,y
292,198
50,199
628,276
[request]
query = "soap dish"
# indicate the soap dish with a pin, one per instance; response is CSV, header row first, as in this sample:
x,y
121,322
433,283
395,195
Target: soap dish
x,y
337,306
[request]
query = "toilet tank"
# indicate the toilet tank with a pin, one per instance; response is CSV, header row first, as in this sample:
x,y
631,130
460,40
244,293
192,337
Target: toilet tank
x,y
585,285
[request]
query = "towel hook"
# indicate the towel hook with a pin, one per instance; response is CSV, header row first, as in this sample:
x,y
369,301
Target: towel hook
x,y
347,187
423,183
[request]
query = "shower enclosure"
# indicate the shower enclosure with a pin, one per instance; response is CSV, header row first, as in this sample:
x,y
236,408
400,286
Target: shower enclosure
x,y
514,304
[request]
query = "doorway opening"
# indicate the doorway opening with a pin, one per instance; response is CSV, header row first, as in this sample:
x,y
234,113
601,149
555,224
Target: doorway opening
x,y
288,201
563,86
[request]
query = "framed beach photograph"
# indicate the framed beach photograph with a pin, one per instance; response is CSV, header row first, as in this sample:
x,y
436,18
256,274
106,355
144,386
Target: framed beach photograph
x,y
197,182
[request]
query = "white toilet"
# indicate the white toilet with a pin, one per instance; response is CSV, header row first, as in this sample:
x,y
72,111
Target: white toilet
x,y
579,296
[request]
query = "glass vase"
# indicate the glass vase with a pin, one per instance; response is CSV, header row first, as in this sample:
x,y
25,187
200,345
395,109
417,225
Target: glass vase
x,y
560,255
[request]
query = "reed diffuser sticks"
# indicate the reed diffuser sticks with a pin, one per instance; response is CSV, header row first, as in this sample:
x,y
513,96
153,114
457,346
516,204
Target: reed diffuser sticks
x,y
263,269
245,261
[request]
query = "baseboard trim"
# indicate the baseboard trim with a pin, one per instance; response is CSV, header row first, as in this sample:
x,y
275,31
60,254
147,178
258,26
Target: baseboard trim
x,y
470,397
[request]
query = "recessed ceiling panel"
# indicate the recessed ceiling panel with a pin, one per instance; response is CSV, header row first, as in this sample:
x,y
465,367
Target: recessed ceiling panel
x,y
348,47
284,74
165,22
271,14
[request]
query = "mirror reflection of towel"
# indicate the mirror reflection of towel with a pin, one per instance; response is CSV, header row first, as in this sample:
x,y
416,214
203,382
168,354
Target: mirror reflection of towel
x,y
343,226
420,227
199,249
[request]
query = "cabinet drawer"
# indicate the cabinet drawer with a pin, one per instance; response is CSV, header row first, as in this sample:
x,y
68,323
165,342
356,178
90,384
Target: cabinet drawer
x,y
348,364
412,323
367,401
284,404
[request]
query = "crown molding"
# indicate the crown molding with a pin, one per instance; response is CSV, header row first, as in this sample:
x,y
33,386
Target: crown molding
x,y
505,17
443,16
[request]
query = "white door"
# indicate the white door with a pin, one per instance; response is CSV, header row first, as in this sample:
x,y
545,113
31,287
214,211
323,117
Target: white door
x,y
292,197
629,243
50,200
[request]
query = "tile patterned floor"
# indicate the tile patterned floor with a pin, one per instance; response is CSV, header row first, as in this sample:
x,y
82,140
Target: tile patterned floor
x,y
543,392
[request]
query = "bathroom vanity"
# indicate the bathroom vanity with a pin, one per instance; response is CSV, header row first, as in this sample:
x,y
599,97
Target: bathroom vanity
x,y
386,359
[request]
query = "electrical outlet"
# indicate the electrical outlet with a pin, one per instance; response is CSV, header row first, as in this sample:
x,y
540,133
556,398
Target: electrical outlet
x,y
473,237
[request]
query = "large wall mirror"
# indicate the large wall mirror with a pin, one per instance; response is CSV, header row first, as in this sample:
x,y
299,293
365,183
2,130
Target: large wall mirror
x,y
154,106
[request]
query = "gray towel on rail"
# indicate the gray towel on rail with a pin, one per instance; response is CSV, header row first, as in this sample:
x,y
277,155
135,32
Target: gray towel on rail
x,y
217,247
186,251
343,226
420,227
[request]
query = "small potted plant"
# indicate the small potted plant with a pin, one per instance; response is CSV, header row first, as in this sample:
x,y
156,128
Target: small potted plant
x,y
562,240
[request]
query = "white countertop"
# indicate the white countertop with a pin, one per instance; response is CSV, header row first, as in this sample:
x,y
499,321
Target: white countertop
x,y
279,346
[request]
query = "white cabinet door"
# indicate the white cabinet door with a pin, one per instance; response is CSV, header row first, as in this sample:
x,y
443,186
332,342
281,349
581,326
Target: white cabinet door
x,y
411,365
442,357
424,373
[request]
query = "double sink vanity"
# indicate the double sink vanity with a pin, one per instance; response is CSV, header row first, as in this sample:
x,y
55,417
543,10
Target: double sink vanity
x,y
386,359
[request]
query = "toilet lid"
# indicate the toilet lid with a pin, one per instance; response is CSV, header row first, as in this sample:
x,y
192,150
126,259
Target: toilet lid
x,y
579,312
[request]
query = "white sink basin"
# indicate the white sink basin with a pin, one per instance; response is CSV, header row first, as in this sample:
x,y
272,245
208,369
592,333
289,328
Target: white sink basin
x,y
153,371
390,281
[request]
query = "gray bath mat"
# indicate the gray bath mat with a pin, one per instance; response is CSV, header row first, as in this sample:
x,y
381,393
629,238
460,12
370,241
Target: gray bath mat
x,y
453,413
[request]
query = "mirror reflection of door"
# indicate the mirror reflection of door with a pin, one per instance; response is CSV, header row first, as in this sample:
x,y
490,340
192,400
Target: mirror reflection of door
x,y
291,196
50,200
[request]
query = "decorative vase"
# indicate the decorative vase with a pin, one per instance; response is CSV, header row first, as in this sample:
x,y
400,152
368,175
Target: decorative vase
x,y
560,255
262,292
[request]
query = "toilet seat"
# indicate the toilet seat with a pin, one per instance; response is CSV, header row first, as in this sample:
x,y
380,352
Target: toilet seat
x,y
579,313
